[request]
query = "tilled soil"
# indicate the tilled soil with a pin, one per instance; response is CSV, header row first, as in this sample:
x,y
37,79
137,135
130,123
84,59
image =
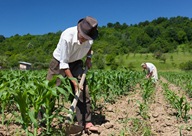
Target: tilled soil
x,y
162,117
118,119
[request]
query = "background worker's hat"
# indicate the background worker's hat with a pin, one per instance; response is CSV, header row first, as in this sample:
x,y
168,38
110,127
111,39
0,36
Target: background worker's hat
x,y
87,27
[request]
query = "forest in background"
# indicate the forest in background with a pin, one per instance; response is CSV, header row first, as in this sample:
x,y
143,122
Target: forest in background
x,y
161,35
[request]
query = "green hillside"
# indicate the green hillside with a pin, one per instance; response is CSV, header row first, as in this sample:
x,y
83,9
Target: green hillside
x,y
166,42
173,60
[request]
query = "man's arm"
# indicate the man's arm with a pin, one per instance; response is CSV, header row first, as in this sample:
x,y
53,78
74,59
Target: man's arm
x,y
74,81
149,74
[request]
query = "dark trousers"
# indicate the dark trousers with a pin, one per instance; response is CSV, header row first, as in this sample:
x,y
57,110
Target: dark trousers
x,y
83,108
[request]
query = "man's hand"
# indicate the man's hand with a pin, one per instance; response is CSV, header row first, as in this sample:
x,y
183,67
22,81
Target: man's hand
x,y
147,76
73,80
76,85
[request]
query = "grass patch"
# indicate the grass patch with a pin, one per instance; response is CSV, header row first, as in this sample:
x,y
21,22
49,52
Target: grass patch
x,y
173,60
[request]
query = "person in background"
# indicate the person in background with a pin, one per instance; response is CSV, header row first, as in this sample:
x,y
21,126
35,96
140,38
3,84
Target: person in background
x,y
74,44
151,71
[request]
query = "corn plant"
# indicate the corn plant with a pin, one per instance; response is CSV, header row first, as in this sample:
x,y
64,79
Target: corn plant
x,y
139,128
179,103
143,109
5,96
189,88
147,89
21,99
45,94
181,79
111,84
29,93
5,100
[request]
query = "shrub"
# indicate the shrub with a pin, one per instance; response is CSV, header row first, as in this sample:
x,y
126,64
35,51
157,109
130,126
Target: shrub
x,y
186,66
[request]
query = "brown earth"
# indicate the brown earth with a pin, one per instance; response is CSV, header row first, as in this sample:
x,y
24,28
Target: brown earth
x,y
123,119
162,119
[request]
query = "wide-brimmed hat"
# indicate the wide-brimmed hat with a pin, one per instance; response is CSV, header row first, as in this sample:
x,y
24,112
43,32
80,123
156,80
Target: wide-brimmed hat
x,y
87,27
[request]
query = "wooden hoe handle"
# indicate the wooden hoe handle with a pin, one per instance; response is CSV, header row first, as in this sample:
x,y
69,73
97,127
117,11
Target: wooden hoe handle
x,y
76,97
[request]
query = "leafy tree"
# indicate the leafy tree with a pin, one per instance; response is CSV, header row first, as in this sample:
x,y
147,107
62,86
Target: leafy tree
x,y
110,25
143,40
182,37
2,38
152,31
99,61
159,20
188,31
142,24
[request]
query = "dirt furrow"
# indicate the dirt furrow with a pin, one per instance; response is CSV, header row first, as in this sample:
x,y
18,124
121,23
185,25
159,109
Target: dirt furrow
x,y
117,116
163,117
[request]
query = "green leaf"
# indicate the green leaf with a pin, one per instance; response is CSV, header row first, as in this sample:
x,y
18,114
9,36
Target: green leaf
x,y
33,119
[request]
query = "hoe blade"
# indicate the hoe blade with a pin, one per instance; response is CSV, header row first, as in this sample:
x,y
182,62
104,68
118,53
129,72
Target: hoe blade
x,y
73,129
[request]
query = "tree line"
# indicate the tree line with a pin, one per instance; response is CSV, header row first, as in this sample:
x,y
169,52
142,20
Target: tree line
x,y
161,35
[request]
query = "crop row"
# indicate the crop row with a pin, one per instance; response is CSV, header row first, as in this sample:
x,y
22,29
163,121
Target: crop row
x,y
23,93
183,80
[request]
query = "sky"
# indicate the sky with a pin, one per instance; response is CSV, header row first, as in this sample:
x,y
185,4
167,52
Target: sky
x,y
38,17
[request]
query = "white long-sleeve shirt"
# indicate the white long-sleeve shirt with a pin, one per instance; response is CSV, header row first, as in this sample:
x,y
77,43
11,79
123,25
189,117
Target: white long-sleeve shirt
x,y
69,48
152,68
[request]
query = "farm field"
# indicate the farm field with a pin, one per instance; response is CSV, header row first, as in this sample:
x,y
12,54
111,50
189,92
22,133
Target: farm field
x,y
124,103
